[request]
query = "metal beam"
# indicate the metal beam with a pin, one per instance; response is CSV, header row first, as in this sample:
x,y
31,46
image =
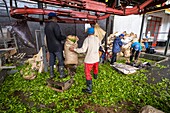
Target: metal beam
x,y
7,10
141,29
87,5
156,9
106,35
1,31
36,39
167,43
16,5
41,17
117,3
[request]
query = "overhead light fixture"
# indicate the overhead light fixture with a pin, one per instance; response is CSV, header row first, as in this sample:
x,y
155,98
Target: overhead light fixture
x,y
167,2
158,5
149,18
129,6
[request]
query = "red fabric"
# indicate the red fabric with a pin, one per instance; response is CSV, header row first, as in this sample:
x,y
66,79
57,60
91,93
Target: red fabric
x,y
88,68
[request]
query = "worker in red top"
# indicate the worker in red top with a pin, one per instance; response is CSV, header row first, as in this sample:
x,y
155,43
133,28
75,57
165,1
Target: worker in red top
x,y
91,46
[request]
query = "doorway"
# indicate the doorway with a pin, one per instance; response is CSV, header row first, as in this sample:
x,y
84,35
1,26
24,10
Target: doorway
x,y
153,26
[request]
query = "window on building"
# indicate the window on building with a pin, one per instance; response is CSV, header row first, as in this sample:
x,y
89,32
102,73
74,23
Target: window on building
x,y
153,26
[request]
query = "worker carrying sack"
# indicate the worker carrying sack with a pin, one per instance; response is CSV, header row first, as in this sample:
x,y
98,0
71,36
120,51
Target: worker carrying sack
x,y
70,57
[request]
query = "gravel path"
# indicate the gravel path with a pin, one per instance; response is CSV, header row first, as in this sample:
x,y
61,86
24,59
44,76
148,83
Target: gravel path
x,y
162,70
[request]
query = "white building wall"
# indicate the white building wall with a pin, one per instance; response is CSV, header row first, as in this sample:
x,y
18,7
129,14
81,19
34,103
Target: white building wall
x,y
131,23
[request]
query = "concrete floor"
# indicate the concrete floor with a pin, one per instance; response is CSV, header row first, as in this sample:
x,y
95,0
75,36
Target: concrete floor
x,y
160,50
159,73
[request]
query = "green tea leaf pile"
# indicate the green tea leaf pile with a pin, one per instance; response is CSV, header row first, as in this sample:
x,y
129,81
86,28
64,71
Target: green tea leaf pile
x,y
111,90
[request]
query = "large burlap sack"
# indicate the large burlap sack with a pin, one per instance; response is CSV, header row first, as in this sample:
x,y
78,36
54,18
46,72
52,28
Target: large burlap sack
x,y
149,109
127,53
127,46
99,32
37,62
120,54
70,57
143,47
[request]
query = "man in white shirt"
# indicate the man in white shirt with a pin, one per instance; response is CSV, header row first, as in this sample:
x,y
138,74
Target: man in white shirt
x,y
91,46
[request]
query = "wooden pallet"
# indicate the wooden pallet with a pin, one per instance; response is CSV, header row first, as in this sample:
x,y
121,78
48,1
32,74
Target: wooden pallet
x,y
20,55
59,86
4,54
7,67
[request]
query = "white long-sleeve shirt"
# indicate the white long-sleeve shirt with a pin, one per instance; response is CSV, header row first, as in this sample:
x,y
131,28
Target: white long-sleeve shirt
x,y
126,40
90,45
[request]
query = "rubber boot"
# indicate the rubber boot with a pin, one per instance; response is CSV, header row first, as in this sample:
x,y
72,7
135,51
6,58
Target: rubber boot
x,y
52,72
61,71
89,87
95,76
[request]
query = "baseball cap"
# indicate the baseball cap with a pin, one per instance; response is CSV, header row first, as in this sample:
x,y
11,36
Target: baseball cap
x,y
121,35
90,31
52,14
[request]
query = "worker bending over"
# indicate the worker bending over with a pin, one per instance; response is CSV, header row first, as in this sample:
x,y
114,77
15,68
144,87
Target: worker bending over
x,y
135,50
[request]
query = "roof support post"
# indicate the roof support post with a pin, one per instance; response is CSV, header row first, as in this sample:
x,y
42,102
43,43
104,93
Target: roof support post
x,y
141,29
167,43
41,17
117,3
7,10
106,35
16,3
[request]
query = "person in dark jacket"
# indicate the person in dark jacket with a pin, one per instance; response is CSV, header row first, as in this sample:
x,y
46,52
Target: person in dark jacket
x,y
55,41
117,43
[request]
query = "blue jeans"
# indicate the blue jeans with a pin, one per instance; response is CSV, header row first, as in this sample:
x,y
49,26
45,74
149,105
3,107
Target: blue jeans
x,y
59,56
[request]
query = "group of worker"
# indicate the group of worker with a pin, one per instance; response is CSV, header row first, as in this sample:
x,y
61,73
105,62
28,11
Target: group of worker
x,y
119,41
55,41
